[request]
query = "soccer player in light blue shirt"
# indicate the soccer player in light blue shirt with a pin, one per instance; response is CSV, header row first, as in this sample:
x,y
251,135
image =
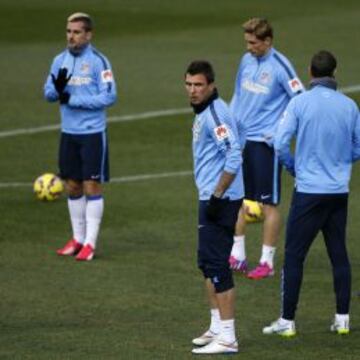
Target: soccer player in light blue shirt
x,y
265,83
327,139
218,175
326,125
81,80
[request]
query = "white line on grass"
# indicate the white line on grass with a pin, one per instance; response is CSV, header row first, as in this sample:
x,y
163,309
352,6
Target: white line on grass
x,y
122,179
150,176
350,89
111,119
131,117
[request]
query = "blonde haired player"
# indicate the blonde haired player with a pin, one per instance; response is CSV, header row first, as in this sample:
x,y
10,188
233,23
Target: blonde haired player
x,y
81,81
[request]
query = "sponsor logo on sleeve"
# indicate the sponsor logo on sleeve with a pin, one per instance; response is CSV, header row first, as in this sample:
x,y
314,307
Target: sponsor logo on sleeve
x,y
106,76
221,132
295,85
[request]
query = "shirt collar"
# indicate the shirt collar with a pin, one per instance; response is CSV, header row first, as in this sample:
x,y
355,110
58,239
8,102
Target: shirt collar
x,y
326,81
198,108
265,56
81,51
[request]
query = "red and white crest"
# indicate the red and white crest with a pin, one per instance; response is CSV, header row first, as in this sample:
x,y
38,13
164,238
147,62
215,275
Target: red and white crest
x,y
106,76
295,85
221,132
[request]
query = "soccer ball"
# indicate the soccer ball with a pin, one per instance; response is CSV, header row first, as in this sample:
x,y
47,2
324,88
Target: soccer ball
x,y
253,211
48,187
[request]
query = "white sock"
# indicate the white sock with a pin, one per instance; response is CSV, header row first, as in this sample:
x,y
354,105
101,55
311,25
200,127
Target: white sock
x,y
94,213
238,249
227,331
342,317
285,321
267,255
77,211
215,321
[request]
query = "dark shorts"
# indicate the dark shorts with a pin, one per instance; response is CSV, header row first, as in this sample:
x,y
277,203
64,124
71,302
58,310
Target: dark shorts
x,y
84,157
262,173
216,240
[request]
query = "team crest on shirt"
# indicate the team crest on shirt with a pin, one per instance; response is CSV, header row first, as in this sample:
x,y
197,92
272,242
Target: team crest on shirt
x,y
221,132
85,68
106,76
295,85
265,78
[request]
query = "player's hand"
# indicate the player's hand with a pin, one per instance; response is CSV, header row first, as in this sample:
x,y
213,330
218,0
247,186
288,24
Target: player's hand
x,y
61,80
213,208
64,98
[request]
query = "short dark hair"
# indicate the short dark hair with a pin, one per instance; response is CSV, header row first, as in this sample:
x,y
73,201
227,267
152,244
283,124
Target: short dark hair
x,y
84,18
259,27
323,63
201,67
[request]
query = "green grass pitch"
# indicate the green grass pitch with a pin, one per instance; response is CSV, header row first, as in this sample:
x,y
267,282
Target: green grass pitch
x,y
142,298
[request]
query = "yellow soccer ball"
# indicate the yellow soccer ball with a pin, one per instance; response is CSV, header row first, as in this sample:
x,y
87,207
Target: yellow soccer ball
x,y
253,211
48,187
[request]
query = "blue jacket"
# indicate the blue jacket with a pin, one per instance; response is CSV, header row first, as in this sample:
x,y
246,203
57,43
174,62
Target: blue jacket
x,y
217,148
91,87
326,124
263,88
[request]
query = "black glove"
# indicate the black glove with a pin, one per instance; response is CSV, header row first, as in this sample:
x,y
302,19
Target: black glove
x,y
213,208
61,80
64,98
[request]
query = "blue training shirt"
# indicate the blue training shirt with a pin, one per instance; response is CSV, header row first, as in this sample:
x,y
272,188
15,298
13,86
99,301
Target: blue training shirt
x,y
217,147
263,88
91,87
326,124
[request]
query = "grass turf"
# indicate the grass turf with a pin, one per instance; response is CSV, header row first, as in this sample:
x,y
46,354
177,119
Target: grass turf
x,y
142,298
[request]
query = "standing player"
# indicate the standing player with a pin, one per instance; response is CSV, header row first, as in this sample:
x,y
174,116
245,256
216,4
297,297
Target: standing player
x,y
326,124
218,176
265,83
81,80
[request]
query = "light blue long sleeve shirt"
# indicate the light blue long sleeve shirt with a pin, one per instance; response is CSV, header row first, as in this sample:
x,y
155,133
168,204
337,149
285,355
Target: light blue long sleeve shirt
x,y
217,147
263,88
326,124
91,87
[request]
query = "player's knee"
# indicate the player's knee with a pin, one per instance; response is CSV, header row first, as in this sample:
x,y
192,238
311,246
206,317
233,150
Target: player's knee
x,y
92,188
74,188
222,280
271,211
342,271
294,258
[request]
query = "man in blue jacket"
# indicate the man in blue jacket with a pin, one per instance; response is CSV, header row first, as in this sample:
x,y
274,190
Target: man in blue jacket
x,y
265,83
326,124
81,80
218,176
